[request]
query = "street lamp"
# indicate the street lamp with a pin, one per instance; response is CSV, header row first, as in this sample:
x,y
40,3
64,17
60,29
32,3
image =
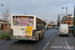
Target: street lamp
x,y
66,12
1,4
62,14
74,23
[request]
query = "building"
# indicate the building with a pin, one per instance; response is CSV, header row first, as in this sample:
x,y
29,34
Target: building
x,y
70,22
69,19
3,23
53,24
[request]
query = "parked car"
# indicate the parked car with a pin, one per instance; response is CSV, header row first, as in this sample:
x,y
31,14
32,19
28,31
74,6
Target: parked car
x,y
56,27
63,29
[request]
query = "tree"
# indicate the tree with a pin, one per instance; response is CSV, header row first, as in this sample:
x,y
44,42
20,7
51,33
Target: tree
x,y
6,15
58,22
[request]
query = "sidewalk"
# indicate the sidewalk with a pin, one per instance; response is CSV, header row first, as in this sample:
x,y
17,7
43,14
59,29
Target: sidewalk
x,y
7,38
62,43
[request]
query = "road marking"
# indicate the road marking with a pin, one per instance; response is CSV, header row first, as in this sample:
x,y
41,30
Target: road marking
x,y
44,48
69,48
2,41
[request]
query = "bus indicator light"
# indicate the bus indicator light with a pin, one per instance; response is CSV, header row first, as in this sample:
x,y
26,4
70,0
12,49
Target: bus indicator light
x,y
33,37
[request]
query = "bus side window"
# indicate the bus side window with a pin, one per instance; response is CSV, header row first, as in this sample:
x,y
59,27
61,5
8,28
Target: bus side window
x,y
38,26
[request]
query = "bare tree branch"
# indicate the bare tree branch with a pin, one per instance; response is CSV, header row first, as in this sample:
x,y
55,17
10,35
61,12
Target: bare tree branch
x,y
6,15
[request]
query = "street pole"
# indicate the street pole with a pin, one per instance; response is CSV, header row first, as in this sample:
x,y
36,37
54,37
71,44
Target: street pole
x,y
66,14
0,23
74,23
50,24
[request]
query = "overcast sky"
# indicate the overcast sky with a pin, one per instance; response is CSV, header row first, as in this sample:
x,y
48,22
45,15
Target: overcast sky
x,y
44,9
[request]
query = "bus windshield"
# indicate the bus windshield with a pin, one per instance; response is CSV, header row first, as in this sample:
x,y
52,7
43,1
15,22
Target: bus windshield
x,y
23,21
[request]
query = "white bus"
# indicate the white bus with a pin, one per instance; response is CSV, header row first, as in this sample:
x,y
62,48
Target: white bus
x,y
27,27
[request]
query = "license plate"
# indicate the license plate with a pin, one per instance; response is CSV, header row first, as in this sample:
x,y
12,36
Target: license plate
x,y
18,36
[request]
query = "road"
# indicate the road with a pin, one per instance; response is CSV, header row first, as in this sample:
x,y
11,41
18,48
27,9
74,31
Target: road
x,y
27,45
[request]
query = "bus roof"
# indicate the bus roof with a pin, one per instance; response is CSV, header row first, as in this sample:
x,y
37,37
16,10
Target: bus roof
x,y
40,19
23,15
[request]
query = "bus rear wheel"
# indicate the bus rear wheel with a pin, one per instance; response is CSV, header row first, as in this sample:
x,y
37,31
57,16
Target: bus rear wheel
x,y
38,37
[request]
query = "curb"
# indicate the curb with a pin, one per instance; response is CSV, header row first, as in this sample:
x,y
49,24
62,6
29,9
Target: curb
x,y
4,39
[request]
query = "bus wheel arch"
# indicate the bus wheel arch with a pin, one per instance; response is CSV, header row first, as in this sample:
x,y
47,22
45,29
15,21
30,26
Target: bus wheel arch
x,y
37,36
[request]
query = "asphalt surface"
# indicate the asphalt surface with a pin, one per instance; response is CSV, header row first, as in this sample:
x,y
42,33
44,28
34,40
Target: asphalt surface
x,y
62,42
28,45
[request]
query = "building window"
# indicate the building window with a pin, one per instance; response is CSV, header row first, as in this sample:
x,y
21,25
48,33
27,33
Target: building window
x,y
64,22
68,22
73,22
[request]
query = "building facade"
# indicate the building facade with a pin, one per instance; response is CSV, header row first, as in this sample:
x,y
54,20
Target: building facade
x,y
53,24
70,20
3,24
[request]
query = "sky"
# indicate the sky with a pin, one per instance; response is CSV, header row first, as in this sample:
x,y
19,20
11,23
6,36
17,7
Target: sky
x,y
45,9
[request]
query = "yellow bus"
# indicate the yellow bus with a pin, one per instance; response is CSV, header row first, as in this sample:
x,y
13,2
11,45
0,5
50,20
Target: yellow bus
x,y
27,27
